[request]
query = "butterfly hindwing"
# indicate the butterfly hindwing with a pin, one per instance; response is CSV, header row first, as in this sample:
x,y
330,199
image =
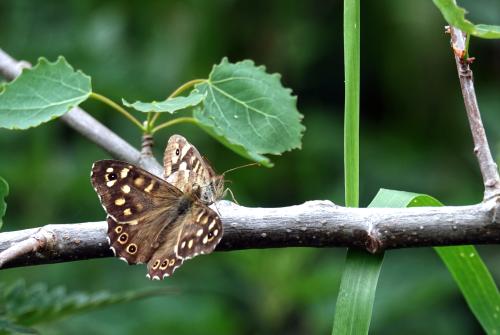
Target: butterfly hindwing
x,y
198,232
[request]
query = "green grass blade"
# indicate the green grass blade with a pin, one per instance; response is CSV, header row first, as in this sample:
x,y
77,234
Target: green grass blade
x,y
351,99
357,292
360,277
476,283
465,265
471,275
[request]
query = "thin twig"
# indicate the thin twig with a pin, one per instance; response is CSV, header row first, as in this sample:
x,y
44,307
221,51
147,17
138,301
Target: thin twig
x,y
487,165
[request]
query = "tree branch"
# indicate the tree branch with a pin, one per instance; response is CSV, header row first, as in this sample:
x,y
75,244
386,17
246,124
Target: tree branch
x,y
489,169
312,224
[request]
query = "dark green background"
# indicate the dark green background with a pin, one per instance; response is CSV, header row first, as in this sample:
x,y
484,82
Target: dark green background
x,y
414,137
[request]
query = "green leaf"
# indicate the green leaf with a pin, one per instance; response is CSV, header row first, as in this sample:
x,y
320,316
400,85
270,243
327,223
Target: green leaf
x,y
455,16
4,192
27,306
42,93
250,110
170,105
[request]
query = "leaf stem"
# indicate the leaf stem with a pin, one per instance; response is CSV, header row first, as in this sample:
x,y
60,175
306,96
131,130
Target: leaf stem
x,y
174,121
118,108
178,91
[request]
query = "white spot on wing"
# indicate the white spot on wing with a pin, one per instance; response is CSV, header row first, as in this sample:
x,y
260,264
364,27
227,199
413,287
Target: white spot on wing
x,y
156,278
124,259
114,251
183,166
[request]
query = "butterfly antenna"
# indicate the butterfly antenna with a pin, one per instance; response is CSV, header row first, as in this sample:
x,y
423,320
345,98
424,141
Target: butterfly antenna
x,y
240,167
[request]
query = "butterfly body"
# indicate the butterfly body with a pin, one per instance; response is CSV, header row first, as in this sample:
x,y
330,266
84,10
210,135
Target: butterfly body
x,y
153,221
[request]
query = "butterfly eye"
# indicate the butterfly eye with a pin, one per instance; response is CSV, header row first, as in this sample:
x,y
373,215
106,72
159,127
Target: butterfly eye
x,y
177,152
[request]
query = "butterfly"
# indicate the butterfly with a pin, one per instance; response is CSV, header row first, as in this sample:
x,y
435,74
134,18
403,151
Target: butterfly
x,y
153,221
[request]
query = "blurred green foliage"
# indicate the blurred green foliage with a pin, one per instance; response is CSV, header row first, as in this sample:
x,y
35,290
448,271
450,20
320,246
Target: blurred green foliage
x,y
414,137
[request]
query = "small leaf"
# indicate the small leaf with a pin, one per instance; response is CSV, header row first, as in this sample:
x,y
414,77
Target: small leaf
x,y
42,93
455,16
249,111
171,105
4,192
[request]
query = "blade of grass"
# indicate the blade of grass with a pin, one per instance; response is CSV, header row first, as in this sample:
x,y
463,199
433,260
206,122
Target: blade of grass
x,y
360,276
351,100
471,275
465,265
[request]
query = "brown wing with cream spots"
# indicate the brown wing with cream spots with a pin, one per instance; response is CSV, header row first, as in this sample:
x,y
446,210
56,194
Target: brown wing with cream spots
x,y
130,194
198,232
184,167
142,209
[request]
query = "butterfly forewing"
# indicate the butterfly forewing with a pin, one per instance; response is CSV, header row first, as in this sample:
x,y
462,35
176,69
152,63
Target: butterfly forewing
x,y
128,193
184,167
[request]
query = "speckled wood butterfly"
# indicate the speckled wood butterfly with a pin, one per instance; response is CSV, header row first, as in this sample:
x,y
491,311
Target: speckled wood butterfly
x,y
159,222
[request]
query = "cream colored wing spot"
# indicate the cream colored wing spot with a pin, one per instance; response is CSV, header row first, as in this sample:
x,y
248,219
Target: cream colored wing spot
x,y
183,166
199,232
123,238
184,152
133,222
216,232
156,264
132,248
120,202
139,181
205,239
212,224
126,189
190,243
200,215
196,166
124,173
110,183
127,212
172,262
205,220
191,160
183,244
150,187
109,170
118,229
